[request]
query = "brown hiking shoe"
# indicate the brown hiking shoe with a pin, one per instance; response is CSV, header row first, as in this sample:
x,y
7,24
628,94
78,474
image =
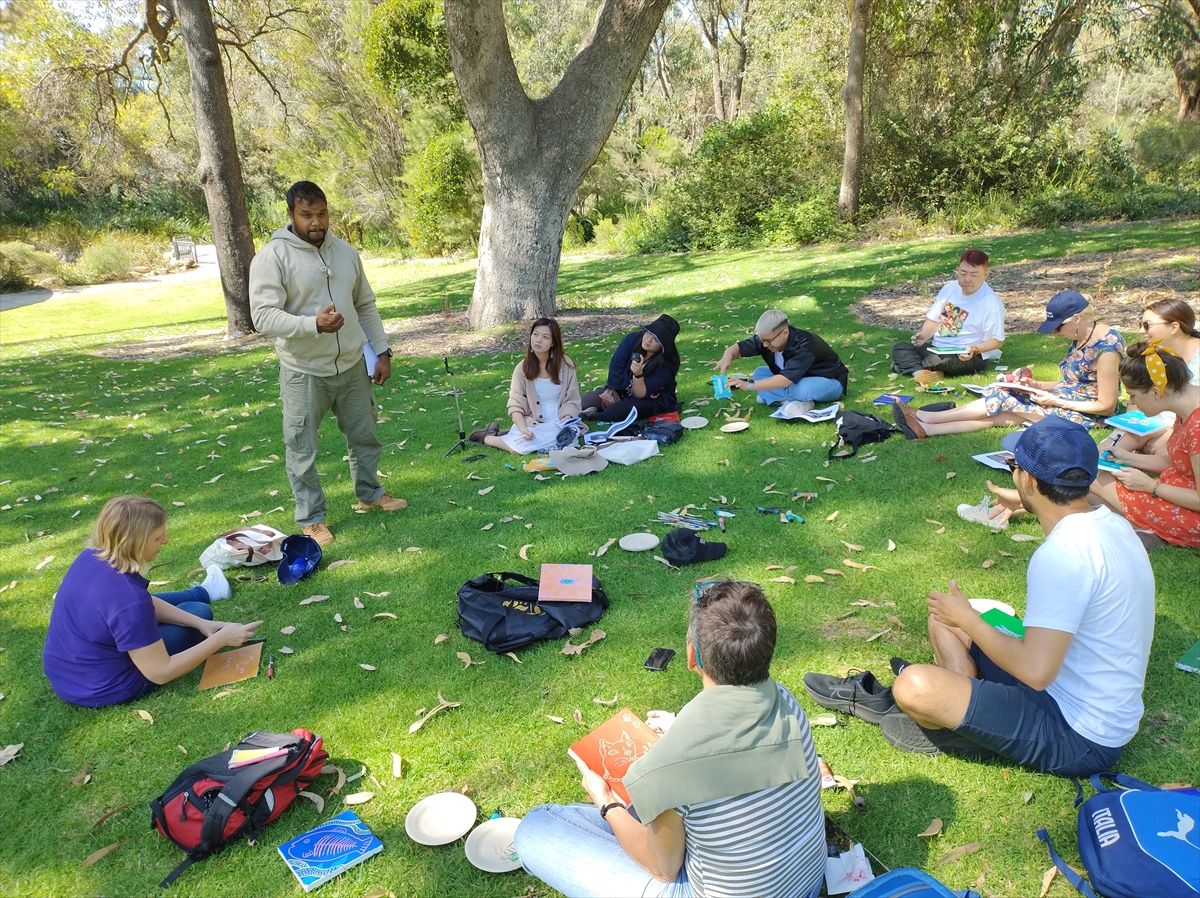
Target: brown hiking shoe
x,y
320,533
386,502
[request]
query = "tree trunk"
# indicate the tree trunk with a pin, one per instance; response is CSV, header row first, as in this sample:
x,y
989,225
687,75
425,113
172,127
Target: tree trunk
x,y
852,99
220,170
710,27
1187,85
739,76
534,153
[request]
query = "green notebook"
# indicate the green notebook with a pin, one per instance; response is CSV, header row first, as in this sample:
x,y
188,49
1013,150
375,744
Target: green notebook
x,y
1190,660
1005,623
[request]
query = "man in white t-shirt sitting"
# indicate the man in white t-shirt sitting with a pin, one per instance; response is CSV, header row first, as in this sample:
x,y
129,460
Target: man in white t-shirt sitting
x,y
967,316
1067,697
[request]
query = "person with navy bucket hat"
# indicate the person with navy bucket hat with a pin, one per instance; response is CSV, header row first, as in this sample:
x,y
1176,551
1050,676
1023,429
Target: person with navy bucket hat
x,y
1086,391
641,375
1067,696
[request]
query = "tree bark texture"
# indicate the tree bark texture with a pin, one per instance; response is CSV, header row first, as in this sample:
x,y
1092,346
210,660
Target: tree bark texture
x,y
219,170
710,27
534,153
738,33
1186,65
852,100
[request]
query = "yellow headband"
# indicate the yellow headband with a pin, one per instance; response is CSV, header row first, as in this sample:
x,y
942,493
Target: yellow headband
x,y
1154,364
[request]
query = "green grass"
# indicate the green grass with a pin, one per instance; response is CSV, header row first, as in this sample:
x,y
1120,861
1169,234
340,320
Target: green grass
x,y
66,409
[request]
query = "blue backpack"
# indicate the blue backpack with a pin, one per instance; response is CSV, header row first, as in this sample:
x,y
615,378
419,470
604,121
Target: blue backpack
x,y
908,883
1136,841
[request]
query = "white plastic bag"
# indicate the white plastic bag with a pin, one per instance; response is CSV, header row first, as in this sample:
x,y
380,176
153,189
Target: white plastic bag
x,y
629,453
246,546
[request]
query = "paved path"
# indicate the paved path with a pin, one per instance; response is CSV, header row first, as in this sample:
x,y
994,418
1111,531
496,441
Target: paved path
x,y
206,256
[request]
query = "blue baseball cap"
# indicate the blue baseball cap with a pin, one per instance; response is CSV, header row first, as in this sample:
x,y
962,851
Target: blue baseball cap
x,y
301,555
1062,306
1052,446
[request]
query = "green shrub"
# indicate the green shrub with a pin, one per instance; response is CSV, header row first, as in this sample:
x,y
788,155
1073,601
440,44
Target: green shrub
x,y
444,200
105,260
22,265
788,223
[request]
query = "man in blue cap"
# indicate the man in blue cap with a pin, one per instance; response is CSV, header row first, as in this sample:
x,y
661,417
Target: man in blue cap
x,y
1065,698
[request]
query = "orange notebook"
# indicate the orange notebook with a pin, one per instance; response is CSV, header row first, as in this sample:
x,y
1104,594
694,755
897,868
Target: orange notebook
x,y
613,746
565,583
230,667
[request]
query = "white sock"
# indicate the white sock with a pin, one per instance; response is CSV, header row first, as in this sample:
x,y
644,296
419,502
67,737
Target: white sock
x,y
216,584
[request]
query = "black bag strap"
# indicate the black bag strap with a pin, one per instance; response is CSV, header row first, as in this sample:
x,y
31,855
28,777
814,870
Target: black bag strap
x,y
212,831
519,578
839,445
177,872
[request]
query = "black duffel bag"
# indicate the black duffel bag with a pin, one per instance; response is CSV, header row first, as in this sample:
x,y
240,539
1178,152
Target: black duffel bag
x,y
503,612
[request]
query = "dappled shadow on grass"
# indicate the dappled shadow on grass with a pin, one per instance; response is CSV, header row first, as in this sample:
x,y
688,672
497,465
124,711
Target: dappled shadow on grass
x,y
896,801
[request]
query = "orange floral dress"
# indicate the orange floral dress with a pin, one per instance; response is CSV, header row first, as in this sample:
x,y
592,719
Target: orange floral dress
x,y
1178,526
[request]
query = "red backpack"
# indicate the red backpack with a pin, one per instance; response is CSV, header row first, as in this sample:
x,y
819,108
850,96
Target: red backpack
x,y
211,805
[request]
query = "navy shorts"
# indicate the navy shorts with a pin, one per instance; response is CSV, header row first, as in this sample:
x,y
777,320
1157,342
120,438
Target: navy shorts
x,y
1026,725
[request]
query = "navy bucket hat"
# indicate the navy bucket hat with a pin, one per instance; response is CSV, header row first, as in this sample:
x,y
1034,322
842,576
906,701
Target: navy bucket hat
x,y
301,555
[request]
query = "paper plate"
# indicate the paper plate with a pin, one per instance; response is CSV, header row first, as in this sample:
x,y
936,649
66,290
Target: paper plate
x,y
638,542
440,819
982,605
735,426
490,846
694,423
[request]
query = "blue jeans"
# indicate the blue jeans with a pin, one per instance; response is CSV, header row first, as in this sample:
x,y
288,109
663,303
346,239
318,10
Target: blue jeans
x,y
571,849
194,601
806,389
1027,726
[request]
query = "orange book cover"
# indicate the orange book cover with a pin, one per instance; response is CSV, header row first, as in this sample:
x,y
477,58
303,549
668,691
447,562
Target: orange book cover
x,y
613,746
565,583
224,668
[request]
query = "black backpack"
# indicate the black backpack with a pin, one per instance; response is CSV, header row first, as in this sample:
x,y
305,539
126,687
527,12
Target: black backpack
x,y
662,432
502,611
856,428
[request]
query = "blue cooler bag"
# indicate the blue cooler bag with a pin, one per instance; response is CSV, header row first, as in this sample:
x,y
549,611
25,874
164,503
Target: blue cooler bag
x,y
1137,841
907,883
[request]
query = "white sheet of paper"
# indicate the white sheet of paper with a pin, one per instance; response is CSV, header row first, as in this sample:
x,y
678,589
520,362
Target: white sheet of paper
x,y
848,872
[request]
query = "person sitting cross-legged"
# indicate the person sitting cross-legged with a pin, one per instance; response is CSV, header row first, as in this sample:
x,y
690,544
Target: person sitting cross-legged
x,y
727,803
799,366
1067,697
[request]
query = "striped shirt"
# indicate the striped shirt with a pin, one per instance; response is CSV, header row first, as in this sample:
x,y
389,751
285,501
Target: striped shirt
x,y
770,842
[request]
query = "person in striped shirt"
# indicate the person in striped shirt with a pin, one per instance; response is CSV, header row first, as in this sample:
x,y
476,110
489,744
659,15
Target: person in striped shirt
x,y
726,803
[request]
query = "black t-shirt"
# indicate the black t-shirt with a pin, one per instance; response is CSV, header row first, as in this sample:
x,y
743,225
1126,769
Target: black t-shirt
x,y
804,355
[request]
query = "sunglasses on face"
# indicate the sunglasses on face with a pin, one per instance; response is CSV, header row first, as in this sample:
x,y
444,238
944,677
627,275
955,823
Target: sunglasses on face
x,y
1146,325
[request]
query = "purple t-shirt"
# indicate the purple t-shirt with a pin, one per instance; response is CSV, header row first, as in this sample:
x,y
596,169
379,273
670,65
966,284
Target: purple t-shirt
x,y
100,615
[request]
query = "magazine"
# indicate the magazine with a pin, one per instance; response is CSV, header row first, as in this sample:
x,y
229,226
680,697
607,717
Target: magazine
x,y
788,412
1137,423
998,460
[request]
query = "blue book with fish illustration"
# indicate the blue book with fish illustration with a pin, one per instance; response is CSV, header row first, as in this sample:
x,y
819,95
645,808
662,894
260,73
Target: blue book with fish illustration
x,y
323,852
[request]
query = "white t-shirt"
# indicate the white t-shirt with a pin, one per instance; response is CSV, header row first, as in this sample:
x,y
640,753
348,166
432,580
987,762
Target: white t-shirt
x,y
1092,578
967,320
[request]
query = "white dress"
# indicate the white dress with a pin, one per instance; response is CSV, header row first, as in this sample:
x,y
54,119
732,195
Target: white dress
x,y
545,435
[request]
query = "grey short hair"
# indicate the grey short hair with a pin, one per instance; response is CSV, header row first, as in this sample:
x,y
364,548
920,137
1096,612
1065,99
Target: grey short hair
x,y
770,320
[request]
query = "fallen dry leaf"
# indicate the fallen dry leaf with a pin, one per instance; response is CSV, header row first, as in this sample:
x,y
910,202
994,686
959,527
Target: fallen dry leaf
x,y
861,567
386,614
988,563
439,639
827,479
769,460
145,715
1047,878
513,656
790,568
824,720
541,477
367,666
224,693
813,578
604,548
315,799
601,701
359,798
358,603
331,768
311,599
782,580
287,631
487,489
1026,797
379,595
45,561
941,529
834,571
950,475
877,635
851,546
957,854
467,661
285,650
97,855
442,706
336,564
397,766
1022,538
864,603
932,829
895,621
487,526
524,551
414,549
833,516
579,718
1007,554
965,550
380,893
932,521
774,567
338,617
474,476
555,719
82,778
664,561
112,813
891,546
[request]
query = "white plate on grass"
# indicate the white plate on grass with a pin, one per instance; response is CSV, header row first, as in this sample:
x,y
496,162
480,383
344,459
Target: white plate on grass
x,y
982,605
638,542
735,427
694,423
440,819
490,846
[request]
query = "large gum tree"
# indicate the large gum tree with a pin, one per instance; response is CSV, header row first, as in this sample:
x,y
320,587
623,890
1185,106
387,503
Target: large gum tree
x,y
534,153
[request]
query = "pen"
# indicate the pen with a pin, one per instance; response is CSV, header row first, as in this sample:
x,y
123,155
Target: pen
x,y
271,668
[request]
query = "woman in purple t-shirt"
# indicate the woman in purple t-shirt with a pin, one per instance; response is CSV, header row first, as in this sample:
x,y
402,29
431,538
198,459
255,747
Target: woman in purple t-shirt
x,y
109,640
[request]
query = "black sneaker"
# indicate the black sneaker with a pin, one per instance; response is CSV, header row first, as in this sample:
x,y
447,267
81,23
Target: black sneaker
x,y
859,694
907,735
939,406
898,664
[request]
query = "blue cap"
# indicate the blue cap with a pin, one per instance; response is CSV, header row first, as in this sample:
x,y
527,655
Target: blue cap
x,y
1053,446
1061,307
301,555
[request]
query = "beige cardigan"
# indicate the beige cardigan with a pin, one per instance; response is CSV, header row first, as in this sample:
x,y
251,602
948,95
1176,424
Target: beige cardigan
x,y
522,394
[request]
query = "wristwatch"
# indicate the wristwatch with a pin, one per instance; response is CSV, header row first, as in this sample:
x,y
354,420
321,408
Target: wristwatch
x,y
1154,492
608,807
387,352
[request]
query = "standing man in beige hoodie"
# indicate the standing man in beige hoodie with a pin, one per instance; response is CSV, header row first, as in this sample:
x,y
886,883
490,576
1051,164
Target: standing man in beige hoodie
x,y
308,289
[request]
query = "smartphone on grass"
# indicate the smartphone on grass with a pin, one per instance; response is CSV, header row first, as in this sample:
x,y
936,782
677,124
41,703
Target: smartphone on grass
x,y
659,659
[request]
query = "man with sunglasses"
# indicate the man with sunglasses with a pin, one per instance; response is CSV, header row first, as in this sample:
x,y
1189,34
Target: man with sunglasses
x,y
726,803
1067,696
800,366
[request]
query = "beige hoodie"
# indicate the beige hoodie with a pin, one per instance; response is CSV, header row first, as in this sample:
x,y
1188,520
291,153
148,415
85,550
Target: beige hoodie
x,y
291,281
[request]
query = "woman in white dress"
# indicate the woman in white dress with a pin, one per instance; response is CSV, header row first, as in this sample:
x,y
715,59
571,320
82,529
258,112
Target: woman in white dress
x,y
544,391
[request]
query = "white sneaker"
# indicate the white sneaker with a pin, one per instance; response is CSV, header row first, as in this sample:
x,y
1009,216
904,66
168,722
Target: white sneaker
x,y
215,583
978,514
